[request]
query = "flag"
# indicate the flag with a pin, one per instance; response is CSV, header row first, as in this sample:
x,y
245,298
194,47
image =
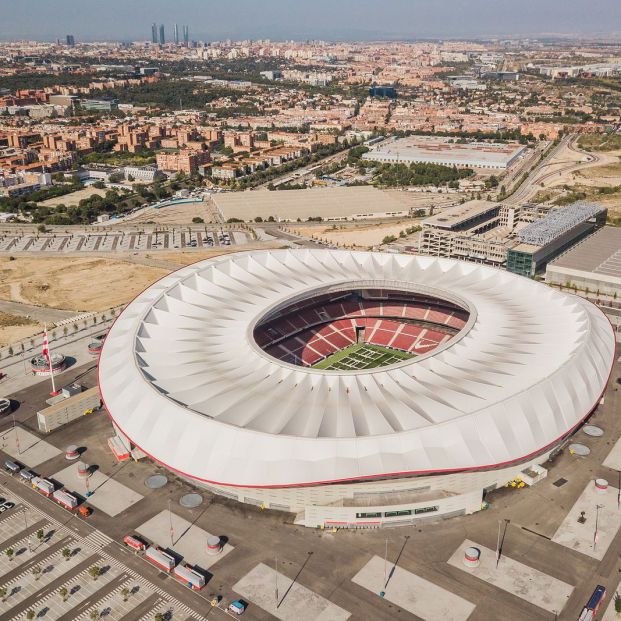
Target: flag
x,y
46,347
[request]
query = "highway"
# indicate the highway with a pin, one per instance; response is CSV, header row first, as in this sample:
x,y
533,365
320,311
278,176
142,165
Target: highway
x,y
539,175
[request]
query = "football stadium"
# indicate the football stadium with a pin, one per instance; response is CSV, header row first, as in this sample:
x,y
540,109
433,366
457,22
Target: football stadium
x,y
353,389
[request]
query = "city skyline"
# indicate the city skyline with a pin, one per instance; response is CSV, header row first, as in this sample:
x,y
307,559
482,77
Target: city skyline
x,y
345,20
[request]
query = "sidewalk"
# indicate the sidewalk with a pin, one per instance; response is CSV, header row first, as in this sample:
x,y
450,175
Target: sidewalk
x,y
75,346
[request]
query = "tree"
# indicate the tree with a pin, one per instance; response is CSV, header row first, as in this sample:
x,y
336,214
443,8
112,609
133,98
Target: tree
x,y
40,534
94,614
30,614
9,552
3,594
94,572
36,571
65,330
125,593
159,617
63,593
617,602
197,220
66,552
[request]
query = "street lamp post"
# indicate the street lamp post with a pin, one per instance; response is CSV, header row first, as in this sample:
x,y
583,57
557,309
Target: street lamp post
x,y
276,579
596,533
498,544
19,451
171,524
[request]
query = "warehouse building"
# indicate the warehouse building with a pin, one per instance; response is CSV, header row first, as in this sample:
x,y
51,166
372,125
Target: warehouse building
x,y
594,264
448,152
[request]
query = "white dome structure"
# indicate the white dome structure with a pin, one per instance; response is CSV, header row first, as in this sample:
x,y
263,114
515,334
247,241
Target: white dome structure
x,y
199,372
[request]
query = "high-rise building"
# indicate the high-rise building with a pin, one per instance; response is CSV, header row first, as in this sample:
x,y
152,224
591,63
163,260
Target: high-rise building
x,y
186,35
153,32
70,40
162,36
176,33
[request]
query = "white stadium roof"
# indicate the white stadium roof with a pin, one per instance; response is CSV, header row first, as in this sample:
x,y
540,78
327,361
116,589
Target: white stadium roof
x,y
181,375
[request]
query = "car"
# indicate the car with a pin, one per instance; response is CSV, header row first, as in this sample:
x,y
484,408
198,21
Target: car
x,y
2,500
84,511
8,505
238,607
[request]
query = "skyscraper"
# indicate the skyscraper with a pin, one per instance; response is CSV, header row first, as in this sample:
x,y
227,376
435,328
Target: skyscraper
x,y
70,40
162,37
176,31
186,35
153,32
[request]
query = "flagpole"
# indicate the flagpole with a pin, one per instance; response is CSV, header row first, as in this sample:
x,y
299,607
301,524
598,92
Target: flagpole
x,y
46,351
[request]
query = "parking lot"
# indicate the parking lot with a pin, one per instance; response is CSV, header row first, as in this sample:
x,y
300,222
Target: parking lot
x,y
185,238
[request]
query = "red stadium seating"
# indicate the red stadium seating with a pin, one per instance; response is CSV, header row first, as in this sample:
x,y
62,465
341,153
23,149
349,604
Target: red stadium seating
x,y
307,334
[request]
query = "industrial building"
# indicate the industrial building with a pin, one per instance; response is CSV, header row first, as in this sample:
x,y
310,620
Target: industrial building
x,y
522,239
448,152
195,375
592,265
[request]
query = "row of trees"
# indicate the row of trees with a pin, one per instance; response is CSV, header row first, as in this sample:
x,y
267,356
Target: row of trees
x,y
398,175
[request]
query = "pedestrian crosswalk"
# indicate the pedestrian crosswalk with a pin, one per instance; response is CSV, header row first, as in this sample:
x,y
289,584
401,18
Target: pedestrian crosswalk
x,y
98,540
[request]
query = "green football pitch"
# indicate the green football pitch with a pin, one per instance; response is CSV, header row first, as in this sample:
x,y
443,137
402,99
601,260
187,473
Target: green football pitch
x,y
363,356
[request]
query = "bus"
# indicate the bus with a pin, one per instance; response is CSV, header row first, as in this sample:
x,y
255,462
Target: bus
x,y
590,610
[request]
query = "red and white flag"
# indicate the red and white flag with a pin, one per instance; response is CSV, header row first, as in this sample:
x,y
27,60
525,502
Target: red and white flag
x,y
46,347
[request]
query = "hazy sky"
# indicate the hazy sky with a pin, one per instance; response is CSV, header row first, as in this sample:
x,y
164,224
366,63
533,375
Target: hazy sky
x,y
304,19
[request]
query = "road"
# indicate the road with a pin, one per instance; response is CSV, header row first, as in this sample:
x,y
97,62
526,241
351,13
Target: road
x,y
539,175
42,314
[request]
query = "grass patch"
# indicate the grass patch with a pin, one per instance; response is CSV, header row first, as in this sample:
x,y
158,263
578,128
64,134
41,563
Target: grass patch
x,y
362,356
600,142
9,321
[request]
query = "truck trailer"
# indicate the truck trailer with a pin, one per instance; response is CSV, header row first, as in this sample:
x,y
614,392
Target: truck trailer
x,y
161,559
43,485
66,500
192,579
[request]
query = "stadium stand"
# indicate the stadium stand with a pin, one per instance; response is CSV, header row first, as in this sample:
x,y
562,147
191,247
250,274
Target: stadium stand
x,y
312,330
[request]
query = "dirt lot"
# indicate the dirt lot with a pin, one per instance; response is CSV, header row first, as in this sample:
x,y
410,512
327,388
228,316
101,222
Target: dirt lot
x,y
361,236
73,283
178,214
80,284
14,328
72,199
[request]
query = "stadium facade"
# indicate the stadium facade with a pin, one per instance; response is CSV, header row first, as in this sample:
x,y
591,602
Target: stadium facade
x,y
354,389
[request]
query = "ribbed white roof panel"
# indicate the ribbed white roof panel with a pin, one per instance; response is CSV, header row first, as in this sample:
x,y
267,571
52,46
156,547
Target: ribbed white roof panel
x,y
182,377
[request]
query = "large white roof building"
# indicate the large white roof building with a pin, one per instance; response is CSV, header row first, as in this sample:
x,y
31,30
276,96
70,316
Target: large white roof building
x,y
184,379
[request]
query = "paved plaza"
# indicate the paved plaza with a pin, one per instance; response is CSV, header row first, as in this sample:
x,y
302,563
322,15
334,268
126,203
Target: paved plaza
x,y
108,495
25,447
516,578
188,540
580,536
613,460
412,593
295,602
